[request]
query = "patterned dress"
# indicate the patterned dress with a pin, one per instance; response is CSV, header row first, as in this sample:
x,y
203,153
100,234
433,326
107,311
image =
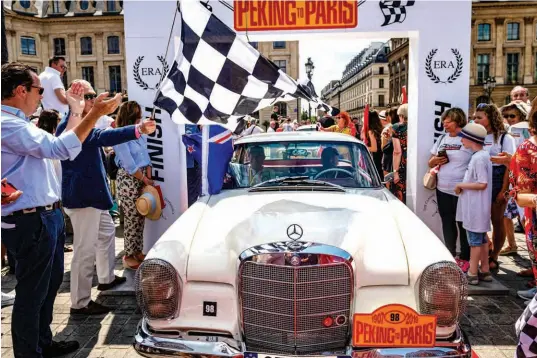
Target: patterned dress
x,y
523,178
399,189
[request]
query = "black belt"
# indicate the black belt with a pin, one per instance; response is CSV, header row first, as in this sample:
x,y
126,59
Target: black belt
x,y
37,209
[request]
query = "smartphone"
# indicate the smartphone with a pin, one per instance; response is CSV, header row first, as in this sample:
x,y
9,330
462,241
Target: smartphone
x,y
8,189
443,153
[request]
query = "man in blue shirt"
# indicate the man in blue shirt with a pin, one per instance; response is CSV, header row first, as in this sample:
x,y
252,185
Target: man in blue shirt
x,y
87,200
32,226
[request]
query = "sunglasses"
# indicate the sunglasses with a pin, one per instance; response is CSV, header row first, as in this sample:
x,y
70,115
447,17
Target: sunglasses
x,y
41,89
90,96
482,105
510,116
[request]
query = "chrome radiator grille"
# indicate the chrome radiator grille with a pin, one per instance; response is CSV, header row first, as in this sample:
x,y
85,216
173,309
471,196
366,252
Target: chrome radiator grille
x,y
285,308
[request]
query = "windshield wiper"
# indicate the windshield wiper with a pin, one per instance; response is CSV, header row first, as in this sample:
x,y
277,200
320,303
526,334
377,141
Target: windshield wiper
x,y
297,182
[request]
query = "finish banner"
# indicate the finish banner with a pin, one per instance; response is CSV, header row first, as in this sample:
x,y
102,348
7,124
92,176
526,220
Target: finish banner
x,y
294,15
394,326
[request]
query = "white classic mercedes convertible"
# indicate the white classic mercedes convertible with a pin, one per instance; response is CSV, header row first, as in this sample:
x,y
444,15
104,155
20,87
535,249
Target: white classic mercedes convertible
x,y
303,254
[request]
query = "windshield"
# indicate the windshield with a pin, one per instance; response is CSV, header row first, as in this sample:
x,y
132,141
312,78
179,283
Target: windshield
x,y
342,163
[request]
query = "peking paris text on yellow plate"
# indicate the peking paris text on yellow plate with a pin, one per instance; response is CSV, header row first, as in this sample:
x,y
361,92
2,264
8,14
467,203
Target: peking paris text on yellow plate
x,y
393,325
274,15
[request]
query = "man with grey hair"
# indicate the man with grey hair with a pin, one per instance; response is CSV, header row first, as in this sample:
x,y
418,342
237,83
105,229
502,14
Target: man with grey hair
x,y
87,200
520,93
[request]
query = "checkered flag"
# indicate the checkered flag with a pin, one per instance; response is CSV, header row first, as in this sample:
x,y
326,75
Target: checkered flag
x,y
217,78
394,11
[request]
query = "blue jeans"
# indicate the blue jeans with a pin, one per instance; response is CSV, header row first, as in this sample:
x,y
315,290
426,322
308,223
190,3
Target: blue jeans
x,y
36,241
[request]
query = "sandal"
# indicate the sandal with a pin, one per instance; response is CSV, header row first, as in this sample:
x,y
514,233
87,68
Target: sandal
x,y
67,249
472,280
496,266
130,262
507,251
485,276
139,256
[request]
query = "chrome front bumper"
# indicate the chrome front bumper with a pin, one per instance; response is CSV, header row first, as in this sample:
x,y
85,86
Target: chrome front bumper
x,y
149,345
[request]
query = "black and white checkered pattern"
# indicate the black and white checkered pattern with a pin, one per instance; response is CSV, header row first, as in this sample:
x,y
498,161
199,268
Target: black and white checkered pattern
x,y
526,330
217,77
394,11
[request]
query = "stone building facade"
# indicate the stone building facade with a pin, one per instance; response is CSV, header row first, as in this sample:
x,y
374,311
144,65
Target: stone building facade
x,y
89,34
398,69
365,80
285,55
504,46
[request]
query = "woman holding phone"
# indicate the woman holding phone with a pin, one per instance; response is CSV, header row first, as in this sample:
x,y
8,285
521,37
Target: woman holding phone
x,y
453,158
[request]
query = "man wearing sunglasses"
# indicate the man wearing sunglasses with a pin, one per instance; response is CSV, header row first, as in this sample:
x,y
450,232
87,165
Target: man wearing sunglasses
x,y
32,226
51,80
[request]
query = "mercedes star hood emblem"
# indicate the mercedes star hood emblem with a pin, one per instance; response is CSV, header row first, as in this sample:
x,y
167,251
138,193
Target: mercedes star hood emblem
x,y
294,232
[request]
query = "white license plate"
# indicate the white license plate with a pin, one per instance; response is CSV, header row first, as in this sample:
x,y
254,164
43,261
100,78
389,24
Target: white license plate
x,y
266,355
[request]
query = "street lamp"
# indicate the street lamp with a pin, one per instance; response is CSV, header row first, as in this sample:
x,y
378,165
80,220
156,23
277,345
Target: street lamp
x,y
488,86
309,72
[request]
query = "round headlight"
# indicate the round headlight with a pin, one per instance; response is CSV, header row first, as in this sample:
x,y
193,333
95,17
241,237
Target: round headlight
x,y
443,291
158,289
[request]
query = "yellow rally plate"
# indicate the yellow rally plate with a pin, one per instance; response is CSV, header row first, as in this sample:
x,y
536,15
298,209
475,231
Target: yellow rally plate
x,y
394,326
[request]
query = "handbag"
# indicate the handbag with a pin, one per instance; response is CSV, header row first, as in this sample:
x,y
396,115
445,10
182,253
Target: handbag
x,y
429,179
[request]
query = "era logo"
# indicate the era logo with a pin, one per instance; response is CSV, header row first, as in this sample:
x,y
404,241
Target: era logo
x,y
443,64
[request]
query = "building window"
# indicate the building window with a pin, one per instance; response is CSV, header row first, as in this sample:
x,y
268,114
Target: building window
x,y
535,73
25,4
254,44
87,74
115,79
483,32
282,64
85,46
381,83
84,5
59,47
483,67
513,31
28,46
512,68
278,44
111,6
56,8
381,100
113,45
282,109
381,70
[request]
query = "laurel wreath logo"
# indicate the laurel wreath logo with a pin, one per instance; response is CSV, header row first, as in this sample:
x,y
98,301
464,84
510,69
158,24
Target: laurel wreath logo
x,y
138,79
456,73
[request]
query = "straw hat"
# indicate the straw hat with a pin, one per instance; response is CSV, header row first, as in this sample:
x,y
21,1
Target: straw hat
x,y
148,204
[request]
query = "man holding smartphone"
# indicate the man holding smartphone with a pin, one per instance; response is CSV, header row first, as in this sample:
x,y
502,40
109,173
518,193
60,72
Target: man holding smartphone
x,y
32,226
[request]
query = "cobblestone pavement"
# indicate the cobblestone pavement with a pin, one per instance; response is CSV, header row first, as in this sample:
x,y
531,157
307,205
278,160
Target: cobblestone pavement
x,y
489,321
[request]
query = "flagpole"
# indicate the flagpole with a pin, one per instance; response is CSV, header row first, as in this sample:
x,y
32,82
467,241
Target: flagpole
x,y
204,160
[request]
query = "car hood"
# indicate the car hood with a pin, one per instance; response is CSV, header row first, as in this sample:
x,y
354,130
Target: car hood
x,y
360,223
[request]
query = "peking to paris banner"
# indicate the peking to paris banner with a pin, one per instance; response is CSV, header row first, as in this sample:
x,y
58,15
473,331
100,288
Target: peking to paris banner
x,y
218,78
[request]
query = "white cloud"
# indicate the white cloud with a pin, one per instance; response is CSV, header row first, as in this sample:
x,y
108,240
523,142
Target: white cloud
x,y
329,58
